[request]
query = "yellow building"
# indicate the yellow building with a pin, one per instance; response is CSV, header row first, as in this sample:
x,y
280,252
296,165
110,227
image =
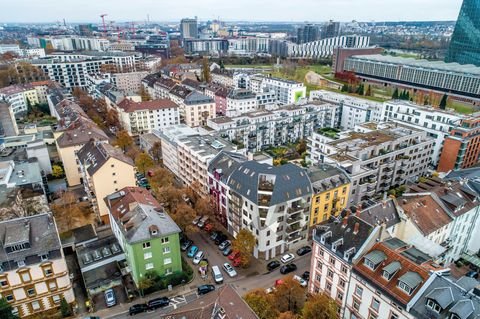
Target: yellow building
x,y
105,170
331,187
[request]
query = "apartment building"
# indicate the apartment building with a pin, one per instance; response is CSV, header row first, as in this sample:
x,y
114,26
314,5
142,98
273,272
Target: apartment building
x,y
28,53
240,101
74,130
354,111
128,82
42,88
34,276
196,109
461,148
19,96
387,280
273,202
437,123
70,43
376,156
147,234
264,128
162,87
219,170
287,91
143,117
331,187
223,77
325,47
104,169
219,93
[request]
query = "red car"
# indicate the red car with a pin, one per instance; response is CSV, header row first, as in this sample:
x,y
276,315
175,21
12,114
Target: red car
x,y
208,227
234,255
236,262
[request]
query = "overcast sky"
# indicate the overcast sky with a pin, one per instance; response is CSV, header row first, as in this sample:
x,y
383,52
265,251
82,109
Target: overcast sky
x,y
252,10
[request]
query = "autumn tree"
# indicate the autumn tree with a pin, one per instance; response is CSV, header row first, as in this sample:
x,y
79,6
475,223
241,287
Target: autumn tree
x,y
289,296
183,215
144,94
143,162
244,243
112,118
57,171
288,315
68,212
261,303
320,306
156,151
123,140
205,70
162,177
301,147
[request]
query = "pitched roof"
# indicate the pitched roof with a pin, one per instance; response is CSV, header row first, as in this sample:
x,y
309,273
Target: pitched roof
x,y
383,212
166,83
94,155
130,106
325,177
225,163
120,202
79,132
224,303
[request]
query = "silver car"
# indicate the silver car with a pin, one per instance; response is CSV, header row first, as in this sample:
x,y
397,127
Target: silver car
x,y
229,270
110,298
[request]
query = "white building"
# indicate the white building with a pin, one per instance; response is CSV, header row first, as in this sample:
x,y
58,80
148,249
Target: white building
x,y
19,96
324,48
287,91
70,43
128,82
240,101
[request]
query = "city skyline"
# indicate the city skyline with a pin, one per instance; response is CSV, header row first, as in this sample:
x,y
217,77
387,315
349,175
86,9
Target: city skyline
x,y
269,10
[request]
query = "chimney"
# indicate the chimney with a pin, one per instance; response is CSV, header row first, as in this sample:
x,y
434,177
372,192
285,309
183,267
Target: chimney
x,y
345,221
356,228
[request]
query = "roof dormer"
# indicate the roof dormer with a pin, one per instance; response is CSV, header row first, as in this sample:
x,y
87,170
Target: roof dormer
x,y
374,258
391,269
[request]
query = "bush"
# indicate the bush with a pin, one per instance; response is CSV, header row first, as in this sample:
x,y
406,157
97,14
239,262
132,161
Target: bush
x,y
65,308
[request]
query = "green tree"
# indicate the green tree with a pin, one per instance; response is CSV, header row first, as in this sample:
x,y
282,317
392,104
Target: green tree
x,y
395,94
443,102
57,171
205,70
65,308
6,310
261,304
320,306
143,162
345,88
124,140
244,243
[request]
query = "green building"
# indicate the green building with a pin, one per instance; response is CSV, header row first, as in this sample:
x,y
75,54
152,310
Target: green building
x,y
148,235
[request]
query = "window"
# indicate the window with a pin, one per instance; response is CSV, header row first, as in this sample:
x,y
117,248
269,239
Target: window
x,y
48,271
147,255
330,274
318,278
165,240
375,304
148,266
56,299
372,316
356,304
342,283
52,285
26,276
393,315
433,305
340,296
21,263
320,251
405,287
344,269
369,264
332,261
44,257
114,182
31,292
9,297
113,165
328,286
167,261
146,245
35,305
113,174
3,282
168,271
358,291
166,250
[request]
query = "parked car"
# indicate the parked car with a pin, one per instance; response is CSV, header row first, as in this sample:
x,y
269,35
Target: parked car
x,y
274,264
214,235
300,280
110,299
196,220
186,243
472,274
220,239
208,227
229,270
158,303
192,251
306,275
304,250
202,221
150,173
217,274
224,244
287,258
138,308
139,175
234,255
237,262
205,289
270,290
288,268
227,251
198,257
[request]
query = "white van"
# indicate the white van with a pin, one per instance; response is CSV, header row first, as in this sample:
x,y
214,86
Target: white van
x,y
217,275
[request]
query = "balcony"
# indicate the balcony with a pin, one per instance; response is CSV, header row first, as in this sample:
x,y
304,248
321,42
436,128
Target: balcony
x,y
296,207
294,237
294,219
292,229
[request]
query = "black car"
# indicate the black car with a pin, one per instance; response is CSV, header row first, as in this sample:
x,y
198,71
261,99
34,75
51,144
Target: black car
x,y
472,274
274,264
227,251
205,289
138,308
288,268
306,276
304,250
185,244
214,235
220,238
158,303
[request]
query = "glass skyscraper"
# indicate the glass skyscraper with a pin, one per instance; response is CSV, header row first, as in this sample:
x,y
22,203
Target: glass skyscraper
x,y
465,43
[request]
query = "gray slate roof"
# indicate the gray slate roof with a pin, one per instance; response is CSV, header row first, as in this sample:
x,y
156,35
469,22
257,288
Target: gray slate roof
x,y
290,181
411,278
95,154
225,163
443,296
376,256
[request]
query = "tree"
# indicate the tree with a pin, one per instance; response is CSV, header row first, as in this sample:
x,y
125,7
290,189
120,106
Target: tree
x,y
124,140
244,243
6,310
65,308
289,296
143,162
112,118
320,306
57,171
369,91
205,70
395,94
261,304
67,211
443,102
287,315
301,147
183,216
161,178
156,151
144,94
345,88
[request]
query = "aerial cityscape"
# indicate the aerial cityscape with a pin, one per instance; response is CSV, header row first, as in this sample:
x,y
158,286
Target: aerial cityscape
x,y
209,159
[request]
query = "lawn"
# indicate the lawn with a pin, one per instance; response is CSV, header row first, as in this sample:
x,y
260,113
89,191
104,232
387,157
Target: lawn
x,y
460,107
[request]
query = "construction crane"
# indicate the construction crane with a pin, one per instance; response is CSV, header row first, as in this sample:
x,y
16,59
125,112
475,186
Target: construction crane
x,y
103,22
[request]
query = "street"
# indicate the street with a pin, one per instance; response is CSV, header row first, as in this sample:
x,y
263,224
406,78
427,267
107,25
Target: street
x,y
254,277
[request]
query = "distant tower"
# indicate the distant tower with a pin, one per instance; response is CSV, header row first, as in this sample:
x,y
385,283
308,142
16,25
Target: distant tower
x,y
189,28
307,33
331,30
465,43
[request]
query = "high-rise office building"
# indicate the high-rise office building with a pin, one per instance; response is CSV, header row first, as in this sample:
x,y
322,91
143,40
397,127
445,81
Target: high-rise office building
x,y
465,43
307,33
189,28
331,29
